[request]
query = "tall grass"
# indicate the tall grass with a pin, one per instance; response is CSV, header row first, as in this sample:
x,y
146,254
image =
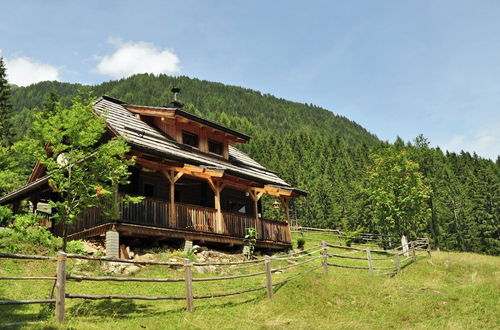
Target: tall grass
x,y
450,291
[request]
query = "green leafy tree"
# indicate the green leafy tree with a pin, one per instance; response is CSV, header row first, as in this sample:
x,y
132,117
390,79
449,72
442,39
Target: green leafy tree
x,y
85,169
5,106
398,192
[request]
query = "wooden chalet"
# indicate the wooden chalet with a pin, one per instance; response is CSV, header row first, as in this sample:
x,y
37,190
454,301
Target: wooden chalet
x,y
197,185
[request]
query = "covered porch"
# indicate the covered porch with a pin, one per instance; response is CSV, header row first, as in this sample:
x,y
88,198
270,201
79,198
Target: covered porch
x,y
200,203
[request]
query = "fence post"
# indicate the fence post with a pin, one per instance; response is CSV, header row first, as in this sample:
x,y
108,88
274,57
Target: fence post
x,y
414,254
269,279
398,265
188,280
428,246
325,258
369,258
60,286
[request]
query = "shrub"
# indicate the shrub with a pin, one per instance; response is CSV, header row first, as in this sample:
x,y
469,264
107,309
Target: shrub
x,y
301,242
75,247
6,216
24,235
250,241
352,236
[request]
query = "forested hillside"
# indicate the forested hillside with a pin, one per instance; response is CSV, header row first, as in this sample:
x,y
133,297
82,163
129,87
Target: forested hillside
x,y
313,149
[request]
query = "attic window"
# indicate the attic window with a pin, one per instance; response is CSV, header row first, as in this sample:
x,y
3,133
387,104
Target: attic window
x,y
190,139
215,147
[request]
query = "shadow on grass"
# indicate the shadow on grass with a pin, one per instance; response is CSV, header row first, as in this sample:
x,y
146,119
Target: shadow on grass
x,y
18,316
127,309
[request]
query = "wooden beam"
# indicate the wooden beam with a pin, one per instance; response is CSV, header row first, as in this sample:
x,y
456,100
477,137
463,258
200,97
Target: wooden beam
x,y
158,112
284,202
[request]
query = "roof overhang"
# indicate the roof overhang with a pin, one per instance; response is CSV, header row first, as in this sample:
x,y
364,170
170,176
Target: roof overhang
x,y
172,113
24,191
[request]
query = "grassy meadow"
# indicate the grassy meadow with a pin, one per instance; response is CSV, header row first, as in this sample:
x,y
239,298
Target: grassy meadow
x,y
447,291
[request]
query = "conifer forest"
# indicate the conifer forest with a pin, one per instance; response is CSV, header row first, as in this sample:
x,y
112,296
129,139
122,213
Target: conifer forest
x,y
334,159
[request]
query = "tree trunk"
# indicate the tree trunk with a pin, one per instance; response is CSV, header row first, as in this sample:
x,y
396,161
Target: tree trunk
x,y
65,236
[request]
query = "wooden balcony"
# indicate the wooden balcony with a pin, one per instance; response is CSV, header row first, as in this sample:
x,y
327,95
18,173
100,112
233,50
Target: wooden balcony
x,y
155,213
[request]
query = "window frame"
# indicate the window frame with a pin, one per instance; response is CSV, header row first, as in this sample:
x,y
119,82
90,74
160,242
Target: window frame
x,y
221,144
188,133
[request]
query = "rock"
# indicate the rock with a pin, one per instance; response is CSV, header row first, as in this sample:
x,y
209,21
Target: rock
x,y
200,269
131,269
195,248
145,257
121,268
89,247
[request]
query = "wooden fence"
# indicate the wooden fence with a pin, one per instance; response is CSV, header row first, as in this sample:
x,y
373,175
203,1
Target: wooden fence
x,y
305,257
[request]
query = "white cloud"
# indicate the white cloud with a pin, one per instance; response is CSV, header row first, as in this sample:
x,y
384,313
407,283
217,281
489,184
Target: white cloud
x,y
137,57
24,71
485,143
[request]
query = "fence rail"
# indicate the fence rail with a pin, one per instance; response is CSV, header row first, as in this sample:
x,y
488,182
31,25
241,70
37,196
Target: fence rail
x,y
299,259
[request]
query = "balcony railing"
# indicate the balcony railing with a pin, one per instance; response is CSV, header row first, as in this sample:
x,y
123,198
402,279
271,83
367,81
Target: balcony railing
x,y
154,212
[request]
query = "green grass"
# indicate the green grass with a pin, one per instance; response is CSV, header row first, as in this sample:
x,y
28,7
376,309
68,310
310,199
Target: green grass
x,y
450,291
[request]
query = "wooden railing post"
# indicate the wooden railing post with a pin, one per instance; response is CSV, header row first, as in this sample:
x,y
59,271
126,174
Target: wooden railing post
x,y
188,280
269,279
60,286
414,254
324,252
370,263
398,265
428,246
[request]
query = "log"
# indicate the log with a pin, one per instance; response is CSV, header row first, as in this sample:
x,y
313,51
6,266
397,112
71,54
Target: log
x,y
398,265
122,279
269,279
28,278
370,264
230,277
60,286
295,265
23,256
215,295
77,256
188,276
347,266
101,297
324,261
296,275
24,302
357,258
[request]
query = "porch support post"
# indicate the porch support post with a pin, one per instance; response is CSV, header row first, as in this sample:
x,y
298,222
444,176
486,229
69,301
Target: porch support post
x,y
172,177
217,188
255,196
284,202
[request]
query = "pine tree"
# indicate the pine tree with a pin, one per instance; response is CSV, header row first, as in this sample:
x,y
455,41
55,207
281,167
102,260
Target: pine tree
x,y
5,106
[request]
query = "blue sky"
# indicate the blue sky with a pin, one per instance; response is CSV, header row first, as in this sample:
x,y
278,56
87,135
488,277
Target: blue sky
x,y
395,67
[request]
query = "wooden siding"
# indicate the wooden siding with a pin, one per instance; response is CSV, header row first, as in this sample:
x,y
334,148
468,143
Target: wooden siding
x,y
174,129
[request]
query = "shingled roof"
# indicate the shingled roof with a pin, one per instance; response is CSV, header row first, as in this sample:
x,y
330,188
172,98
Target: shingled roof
x,y
143,137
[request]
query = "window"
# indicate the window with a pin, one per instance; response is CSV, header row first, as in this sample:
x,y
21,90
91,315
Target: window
x,y
190,139
215,147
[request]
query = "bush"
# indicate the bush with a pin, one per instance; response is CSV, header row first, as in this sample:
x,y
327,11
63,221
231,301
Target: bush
x,y
24,235
74,247
6,216
352,236
301,242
